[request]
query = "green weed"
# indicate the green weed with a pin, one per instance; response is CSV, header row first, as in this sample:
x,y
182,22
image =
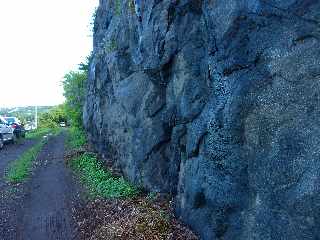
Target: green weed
x,y
131,6
76,138
101,182
110,46
152,196
117,6
40,132
20,169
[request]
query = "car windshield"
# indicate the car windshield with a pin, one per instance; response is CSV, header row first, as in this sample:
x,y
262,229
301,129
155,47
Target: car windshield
x,y
2,121
10,119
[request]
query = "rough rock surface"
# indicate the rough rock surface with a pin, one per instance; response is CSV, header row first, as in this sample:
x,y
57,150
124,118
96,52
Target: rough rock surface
x,y
216,103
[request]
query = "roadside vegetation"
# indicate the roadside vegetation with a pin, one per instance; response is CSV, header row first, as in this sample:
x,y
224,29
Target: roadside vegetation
x,y
76,138
20,169
53,117
40,132
74,84
115,209
99,181
49,121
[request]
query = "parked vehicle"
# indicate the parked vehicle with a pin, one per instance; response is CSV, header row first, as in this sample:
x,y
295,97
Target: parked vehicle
x,y
6,132
15,123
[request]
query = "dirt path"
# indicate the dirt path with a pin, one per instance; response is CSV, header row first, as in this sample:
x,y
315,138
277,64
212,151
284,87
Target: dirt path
x,y
10,197
43,208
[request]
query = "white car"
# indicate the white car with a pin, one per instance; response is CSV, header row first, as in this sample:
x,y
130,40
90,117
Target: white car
x,y
62,124
6,132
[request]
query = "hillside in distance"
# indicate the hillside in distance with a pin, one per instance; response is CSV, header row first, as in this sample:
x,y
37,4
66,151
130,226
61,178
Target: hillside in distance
x,y
24,113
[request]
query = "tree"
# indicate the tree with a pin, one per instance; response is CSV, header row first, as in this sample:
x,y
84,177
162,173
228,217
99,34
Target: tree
x,y
53,117
74,85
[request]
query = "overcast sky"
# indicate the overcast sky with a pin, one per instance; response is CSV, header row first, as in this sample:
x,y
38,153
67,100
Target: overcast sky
x,y
40,41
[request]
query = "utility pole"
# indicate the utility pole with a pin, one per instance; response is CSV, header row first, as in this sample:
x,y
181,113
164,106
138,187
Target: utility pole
x,y
36,117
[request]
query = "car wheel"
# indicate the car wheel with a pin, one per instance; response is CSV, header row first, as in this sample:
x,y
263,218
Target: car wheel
x,y
17,134
1,142
14,139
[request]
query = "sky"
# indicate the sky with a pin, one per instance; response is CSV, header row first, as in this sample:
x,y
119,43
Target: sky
x,y
40,41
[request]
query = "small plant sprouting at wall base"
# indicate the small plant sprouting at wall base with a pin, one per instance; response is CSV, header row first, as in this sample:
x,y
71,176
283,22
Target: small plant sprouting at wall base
x,y
100,182
152,196
110,46
117,7
131,6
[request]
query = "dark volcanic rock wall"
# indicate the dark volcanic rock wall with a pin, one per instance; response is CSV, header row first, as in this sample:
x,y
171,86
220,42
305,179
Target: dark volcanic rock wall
x,y
217,103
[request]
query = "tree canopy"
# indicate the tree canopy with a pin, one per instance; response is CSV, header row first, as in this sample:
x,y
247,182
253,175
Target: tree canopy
x,y
74,85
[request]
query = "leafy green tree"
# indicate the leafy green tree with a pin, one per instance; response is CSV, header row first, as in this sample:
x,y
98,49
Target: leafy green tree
x,y
52,118
74,85
59,114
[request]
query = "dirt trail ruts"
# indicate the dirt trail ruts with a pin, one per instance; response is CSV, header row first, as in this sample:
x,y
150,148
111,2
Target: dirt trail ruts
x,y
47,208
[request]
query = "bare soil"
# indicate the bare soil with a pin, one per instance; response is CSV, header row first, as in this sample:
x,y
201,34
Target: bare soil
x,y
136,219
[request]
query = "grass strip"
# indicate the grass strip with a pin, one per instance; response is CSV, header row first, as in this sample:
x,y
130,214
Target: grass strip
x,y
40,132
20,169
99,181
76,138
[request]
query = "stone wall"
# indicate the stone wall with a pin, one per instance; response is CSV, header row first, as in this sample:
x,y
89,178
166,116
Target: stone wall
x,y
216,103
